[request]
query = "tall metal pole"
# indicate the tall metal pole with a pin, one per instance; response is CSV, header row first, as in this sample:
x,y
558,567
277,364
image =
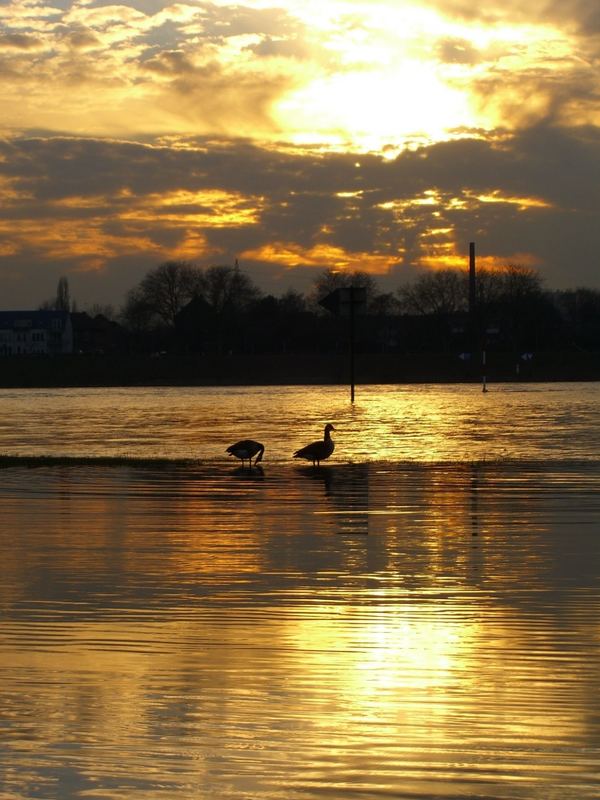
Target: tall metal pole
x,y
352,313
483,368
477,335
472,283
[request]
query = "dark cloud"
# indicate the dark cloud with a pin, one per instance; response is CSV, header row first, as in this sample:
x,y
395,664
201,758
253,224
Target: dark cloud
x,y
19,41
560,97
585,13
270,47
81,39
214,96
13,69
457,51
173,63
583,16
535,193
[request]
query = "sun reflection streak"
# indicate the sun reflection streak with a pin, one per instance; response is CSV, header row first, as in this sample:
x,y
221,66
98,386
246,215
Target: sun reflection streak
x,y
207,629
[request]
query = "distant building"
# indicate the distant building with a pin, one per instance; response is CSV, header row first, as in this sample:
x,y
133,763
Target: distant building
x,y
96,334
192,325
42,332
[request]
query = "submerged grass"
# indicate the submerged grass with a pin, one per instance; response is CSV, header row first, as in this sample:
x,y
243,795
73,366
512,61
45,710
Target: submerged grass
x,y
591,466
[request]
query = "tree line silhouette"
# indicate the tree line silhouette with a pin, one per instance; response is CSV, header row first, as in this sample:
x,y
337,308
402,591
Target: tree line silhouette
x,y
180,308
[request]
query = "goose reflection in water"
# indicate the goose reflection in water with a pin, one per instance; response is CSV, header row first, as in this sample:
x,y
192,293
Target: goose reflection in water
x,y
250,473
324,475
346,495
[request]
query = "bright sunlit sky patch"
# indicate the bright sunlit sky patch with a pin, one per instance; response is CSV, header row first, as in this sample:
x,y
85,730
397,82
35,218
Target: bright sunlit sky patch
x,y
296,136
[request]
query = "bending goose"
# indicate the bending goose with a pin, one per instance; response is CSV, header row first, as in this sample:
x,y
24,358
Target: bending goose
x,y
245,450
318,451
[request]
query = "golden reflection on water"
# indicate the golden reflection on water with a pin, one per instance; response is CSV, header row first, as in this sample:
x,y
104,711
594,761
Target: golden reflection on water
x,y
395,631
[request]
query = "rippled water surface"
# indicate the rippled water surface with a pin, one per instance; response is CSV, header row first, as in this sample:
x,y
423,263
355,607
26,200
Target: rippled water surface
x,y
417,618
413,423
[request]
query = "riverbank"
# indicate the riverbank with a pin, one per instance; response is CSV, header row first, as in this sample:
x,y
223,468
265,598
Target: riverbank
x,y
288,369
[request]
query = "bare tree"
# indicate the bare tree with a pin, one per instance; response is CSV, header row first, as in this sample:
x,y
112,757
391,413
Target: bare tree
x,y
162,293
520,282
137,313
63,297
441,292
62,300
385,304
228,289
292,302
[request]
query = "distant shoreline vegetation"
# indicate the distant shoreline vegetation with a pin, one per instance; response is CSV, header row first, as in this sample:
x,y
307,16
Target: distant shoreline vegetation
x,y
186,326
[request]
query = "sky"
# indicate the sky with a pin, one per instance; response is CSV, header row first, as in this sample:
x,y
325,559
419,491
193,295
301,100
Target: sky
x,y
295,136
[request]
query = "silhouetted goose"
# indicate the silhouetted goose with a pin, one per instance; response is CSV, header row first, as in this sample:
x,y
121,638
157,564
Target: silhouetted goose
x,y
245,450
318,451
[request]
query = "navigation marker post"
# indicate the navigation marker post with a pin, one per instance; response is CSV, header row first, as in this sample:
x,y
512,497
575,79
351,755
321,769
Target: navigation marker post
x,y
347,301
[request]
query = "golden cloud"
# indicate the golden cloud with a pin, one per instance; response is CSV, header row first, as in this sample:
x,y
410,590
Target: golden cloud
x,y
322,256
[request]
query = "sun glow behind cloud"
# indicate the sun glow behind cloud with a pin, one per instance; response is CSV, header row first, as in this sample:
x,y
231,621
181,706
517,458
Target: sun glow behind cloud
x,y
345,133
342,73
371,110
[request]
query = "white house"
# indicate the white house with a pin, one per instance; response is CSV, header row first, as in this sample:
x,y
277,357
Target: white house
x,y
35,332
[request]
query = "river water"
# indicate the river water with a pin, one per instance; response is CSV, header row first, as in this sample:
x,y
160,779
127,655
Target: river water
x,y
417,618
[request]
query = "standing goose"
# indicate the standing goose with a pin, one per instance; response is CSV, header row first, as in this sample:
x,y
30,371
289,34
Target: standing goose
x,y
245,450
318,451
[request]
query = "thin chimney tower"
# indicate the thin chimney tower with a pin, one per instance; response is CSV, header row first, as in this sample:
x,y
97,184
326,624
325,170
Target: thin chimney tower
x,y
472,282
